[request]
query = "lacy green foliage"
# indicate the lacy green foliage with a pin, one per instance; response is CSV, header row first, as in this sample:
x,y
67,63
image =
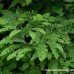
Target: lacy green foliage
x,y
34,40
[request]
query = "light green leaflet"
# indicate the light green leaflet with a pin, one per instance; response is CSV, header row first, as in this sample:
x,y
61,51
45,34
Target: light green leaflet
x,y
14,32
28,1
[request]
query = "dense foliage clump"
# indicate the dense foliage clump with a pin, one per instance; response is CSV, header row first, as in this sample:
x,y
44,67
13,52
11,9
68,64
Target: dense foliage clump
x,y
36,36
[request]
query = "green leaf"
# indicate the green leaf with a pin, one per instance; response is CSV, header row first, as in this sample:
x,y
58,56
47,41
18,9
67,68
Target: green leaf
x,y
7,50
32,63
38,17
34,18
32,34
40,30
7,28
28,1
42,65
52,19
65,38
18,57
55,66
4,41
42,51
49,55
72,64
46,15
12,55
34,56
60,41
57,9
67,63
15,2
55,53
22,52
54,50
24,67
59,47
14,32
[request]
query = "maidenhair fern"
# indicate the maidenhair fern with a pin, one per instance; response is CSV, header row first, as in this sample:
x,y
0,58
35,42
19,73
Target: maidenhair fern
x,y
36,39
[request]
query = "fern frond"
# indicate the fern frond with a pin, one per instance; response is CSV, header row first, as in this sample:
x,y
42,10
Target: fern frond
x,y
41,51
